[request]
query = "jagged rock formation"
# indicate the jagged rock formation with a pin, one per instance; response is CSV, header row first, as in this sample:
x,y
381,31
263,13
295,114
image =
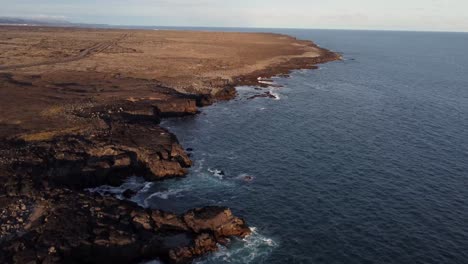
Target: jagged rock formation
x,y
65,226
46,216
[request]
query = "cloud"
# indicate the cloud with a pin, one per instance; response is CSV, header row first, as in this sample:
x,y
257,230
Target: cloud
x,y
371,14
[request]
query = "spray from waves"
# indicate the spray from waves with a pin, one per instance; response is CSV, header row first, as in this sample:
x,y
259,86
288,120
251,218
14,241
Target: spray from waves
x,y
253,249
275,94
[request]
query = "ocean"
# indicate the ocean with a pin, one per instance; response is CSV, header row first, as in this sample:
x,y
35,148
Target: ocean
x,y
364,160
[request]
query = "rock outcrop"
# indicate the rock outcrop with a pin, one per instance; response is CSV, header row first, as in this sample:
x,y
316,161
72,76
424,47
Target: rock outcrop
x,y
66,226
46,217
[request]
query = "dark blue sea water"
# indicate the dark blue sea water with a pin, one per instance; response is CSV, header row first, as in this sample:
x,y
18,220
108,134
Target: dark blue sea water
x,y
362,161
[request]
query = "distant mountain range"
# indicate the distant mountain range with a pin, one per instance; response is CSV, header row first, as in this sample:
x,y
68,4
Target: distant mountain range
x,y
34,21
51,22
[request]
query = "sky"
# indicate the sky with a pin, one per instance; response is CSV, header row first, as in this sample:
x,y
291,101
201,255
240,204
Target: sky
x,y
427,15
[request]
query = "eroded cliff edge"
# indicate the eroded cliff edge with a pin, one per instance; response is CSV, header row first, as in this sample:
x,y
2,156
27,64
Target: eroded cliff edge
x,y
67,127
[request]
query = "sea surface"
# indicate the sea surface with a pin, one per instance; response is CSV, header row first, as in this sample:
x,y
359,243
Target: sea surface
x,y
362,161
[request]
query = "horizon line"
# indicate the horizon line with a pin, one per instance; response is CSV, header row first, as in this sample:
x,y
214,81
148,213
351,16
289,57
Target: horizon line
x,y
71,24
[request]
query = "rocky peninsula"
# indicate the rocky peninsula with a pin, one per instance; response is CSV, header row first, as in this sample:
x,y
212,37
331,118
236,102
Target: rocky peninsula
x,y
80,108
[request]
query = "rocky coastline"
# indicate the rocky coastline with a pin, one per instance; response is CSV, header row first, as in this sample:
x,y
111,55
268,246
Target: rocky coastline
x,y
47,216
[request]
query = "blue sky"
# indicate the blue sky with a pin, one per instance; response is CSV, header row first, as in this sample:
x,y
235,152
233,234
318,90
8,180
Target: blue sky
x,y
437,15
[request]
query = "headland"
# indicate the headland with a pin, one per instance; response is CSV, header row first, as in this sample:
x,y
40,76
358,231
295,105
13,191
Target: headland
x,y
80,108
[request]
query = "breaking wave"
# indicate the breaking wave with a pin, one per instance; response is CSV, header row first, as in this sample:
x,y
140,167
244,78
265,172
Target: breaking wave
x,y
254,248
163,195
275,94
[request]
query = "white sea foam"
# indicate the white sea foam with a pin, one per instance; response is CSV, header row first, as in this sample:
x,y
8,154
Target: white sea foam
x,y
198,165
136,184
252,249
245,177
146,187
163,195
275,94
267,82
217,173
139,186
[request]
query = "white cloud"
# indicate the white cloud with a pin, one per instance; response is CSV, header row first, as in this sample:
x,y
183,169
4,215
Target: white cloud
x,y
372,14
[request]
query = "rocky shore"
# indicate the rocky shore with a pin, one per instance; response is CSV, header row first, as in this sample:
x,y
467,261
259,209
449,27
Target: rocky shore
x,y
63,131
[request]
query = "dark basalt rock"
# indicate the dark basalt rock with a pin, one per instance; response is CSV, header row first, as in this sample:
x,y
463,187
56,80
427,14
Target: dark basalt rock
x,y
73,227
285,68
46,217
127,194
104,156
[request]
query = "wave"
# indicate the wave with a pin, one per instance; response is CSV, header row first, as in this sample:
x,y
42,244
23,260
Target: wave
x,y
254,248
136,184
267,83
275,94
165,195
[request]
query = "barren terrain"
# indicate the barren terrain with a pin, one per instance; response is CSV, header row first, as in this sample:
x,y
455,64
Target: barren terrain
x,y
80,108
